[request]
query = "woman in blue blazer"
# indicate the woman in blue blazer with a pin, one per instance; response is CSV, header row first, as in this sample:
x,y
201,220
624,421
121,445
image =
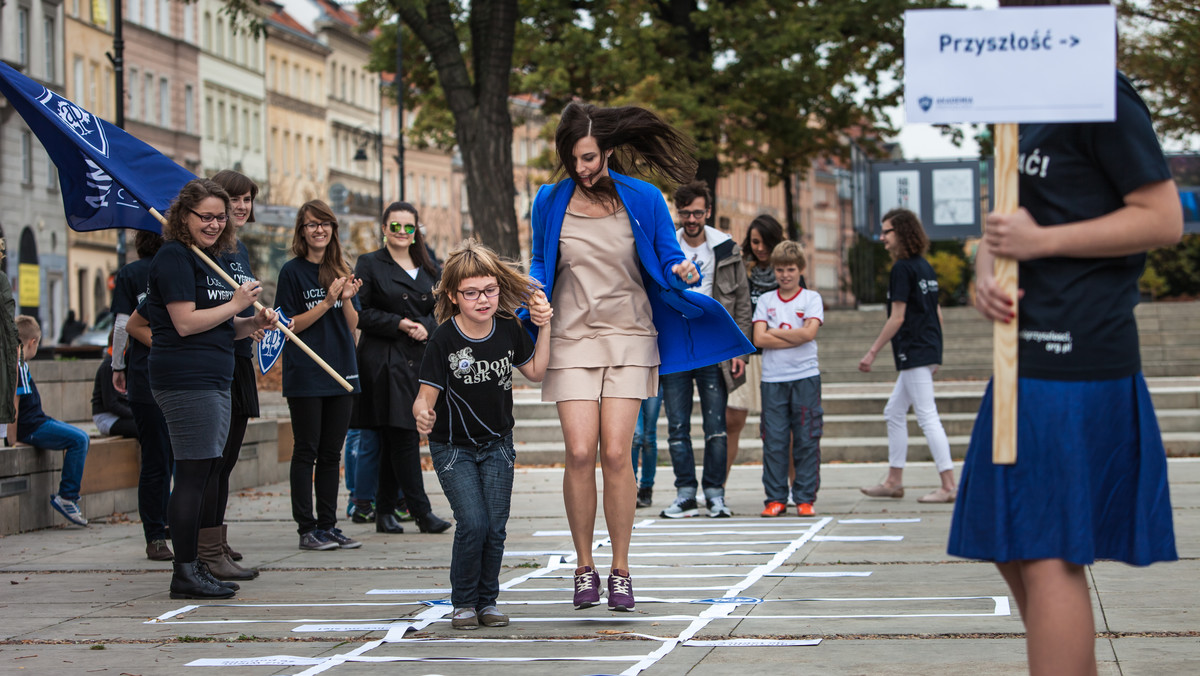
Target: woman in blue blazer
x,y
604,248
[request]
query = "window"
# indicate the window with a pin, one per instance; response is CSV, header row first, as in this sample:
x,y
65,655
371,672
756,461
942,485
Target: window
x,y
189,23
51,174
246,128
132,99
343,83
189,112
78,84
232,139
27,157
272,73
135,11
23,35
826,277
149,112
48,42
164,102
221,136
151,13
220,47
287,143
209,118
208,29
256,133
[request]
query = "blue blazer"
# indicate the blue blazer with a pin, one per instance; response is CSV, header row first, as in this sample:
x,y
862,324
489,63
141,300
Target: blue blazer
x,y
693,329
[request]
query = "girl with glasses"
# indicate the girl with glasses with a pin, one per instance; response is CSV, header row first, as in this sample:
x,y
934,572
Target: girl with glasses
x,y
465,406
396,320
318,291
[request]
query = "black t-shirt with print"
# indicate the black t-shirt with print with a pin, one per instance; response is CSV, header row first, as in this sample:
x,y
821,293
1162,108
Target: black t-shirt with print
x,y
129,292
1076,318
475,379
203,361
237,264
299,291
919,340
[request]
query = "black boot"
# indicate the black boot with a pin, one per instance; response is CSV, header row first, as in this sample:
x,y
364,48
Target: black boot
x,y
188,583
432,523
203,569
387,523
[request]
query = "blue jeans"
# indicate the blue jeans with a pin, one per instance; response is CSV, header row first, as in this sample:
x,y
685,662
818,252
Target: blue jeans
x,y
792,409
677,398
478,481
54,435
645,440
365,445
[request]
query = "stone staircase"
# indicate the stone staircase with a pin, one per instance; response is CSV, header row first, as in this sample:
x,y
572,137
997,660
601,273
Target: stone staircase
x,y
854,427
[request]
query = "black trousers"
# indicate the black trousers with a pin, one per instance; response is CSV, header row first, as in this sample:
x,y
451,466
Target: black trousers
x,y
400,467
154,479
319,427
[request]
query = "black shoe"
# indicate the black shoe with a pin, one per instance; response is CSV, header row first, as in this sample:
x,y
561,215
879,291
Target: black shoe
x,y
432,523
387,523
188,583
645,496
203,569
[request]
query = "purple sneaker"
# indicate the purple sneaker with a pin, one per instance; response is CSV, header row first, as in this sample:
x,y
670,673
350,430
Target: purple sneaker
x,y
620,591
587,587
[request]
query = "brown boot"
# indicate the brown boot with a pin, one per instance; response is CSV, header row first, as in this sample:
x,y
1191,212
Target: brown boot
x,y
213,555
236,556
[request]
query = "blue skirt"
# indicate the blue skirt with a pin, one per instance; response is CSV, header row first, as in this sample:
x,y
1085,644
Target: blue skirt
x,y
1090,481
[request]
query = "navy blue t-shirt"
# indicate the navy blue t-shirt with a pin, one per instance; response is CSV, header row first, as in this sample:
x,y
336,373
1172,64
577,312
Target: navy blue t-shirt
x,y
299,291
919,340
203,361
475,379
30,415
137,367
1076,318
237,264
129,292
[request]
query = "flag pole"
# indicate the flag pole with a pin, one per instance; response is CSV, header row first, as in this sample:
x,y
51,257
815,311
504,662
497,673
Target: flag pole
x,y
258,306
1004,334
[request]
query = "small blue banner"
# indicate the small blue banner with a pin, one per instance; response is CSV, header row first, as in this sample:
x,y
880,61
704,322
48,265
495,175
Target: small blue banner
x,y
271,346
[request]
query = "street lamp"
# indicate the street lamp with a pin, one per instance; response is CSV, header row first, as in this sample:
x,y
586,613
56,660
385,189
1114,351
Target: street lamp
x,y
360,155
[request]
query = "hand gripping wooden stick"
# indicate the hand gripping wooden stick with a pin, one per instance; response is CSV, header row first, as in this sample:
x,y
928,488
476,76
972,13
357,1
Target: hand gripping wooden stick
x,y
258,306
1004,344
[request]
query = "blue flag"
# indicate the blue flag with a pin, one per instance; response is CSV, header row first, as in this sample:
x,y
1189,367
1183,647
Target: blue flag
x,y
108,177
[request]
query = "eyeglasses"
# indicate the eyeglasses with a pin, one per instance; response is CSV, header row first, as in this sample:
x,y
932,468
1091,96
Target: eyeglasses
x,y
406,228
209,218
886,231
328,225
473,294
696,213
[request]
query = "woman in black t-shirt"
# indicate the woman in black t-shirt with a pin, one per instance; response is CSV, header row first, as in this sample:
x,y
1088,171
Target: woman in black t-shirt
x,y
193,317
317,290
914,327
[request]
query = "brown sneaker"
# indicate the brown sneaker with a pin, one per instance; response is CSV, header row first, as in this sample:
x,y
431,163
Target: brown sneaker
x,y
157,550
464,618
491,617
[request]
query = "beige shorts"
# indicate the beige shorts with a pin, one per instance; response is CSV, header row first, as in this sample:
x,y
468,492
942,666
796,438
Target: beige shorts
x,y
748,397
590,384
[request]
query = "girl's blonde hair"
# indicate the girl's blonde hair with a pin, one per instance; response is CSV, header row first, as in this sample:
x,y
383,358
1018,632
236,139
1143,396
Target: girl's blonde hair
x,y
473,259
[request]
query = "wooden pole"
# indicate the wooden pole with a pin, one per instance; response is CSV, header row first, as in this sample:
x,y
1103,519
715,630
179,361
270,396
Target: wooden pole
x,y
258,306
1004,345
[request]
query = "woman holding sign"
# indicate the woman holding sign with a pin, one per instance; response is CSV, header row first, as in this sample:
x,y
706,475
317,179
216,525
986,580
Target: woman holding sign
x,y
317,290
194,319
1090,480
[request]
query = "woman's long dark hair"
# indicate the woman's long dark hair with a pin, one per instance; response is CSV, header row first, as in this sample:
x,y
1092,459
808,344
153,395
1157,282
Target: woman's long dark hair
x,y
771,232
333,264
640,140
416,250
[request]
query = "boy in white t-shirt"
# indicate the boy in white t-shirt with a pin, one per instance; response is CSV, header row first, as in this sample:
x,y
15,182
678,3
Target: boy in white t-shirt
x,y
785,326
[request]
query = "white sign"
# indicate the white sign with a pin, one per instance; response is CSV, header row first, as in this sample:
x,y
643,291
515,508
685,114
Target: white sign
x,y
1029,64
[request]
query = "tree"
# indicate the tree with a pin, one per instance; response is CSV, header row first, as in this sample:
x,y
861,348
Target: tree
x,y
1153,53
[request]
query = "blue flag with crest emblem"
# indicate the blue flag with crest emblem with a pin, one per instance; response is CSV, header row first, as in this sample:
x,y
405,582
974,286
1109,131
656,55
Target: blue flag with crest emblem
x,y
108,177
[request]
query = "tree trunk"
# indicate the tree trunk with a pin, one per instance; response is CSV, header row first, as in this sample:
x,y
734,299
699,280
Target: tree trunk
x,y
789,205
486,147
709,169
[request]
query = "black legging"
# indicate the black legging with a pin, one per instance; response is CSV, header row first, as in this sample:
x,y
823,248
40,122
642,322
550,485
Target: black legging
x,y
319,430
217,493
192,477
400,467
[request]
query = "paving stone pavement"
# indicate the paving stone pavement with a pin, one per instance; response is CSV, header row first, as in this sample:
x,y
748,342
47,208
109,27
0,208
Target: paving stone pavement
x,y
869,579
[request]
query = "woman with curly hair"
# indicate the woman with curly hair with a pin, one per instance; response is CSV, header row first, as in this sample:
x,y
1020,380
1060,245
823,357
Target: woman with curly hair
x,y
914,327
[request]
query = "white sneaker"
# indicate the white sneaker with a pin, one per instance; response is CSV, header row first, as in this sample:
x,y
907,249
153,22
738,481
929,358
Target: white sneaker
x,y
717,508
681,508
69,509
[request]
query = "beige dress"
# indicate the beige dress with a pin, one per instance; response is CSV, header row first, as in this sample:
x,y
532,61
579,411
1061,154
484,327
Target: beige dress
x,y
602,340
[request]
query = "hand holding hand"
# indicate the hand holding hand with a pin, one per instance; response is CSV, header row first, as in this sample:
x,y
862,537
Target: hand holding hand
x,y
540,311
425,420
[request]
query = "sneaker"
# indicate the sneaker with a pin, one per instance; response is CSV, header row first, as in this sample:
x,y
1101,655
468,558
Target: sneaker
x,y
490,617
69,509
402,514
717,508
620,592
342,540
774,509
644,496
805,509
157,550
681,508
587,587
315,540
464,618
350,508
361,514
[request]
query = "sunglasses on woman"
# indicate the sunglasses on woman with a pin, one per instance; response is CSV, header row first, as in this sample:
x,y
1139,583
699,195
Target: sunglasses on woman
x,y
406,228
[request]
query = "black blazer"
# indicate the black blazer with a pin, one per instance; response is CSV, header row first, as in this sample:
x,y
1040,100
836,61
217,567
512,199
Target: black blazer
x,y
389,361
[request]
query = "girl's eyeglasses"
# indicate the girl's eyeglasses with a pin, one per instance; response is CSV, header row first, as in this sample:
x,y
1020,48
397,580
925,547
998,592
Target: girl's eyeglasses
x,y
473,294
406,228
327,225
209,218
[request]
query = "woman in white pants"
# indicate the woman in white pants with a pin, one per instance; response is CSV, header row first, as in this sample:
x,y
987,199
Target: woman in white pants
x,y
914,327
